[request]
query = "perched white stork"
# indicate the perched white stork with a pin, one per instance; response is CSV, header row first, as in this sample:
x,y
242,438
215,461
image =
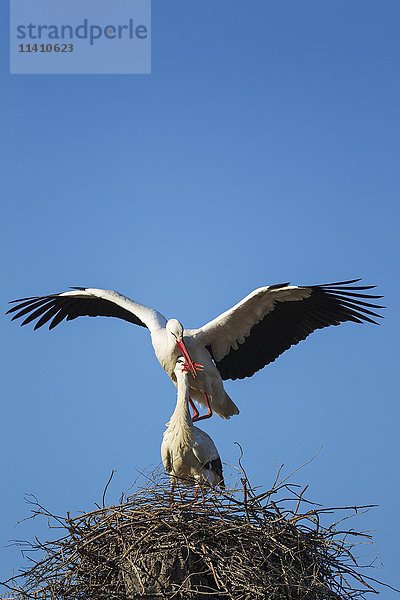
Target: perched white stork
x,y
234,345
187,452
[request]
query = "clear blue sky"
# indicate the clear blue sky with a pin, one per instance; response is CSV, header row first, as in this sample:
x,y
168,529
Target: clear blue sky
x,y
264,147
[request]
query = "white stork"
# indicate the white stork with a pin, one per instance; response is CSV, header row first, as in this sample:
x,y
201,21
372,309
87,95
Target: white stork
x,y
234,345
187,452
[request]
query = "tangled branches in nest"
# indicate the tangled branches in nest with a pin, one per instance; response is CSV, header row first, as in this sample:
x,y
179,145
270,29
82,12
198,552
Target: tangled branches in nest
x,y
239,545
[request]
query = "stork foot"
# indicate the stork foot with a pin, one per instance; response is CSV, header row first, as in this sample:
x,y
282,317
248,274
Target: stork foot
x,y
196,413
199,417
208,414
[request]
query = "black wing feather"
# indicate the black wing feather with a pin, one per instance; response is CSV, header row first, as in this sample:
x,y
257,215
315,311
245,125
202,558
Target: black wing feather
x,y
27,307
61,307
216,466
38,312
291,322
47,316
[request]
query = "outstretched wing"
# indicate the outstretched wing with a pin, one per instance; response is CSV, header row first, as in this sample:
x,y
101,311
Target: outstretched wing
x,y
81,302
271,319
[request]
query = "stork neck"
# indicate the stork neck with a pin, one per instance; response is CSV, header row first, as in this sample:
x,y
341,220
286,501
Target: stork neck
x,y
181,412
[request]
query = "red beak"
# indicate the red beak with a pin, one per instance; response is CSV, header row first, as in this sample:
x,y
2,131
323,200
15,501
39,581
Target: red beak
x,y
184,350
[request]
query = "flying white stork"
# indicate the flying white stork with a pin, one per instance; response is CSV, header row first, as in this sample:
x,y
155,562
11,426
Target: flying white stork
x,y
234,345
187,452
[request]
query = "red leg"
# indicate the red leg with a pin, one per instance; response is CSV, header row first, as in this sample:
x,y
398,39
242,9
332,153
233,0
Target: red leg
x,y
171,494
208,413
195,411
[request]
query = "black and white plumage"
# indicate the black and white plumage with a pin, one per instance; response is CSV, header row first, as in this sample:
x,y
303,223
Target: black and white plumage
x,y
188,453
234,345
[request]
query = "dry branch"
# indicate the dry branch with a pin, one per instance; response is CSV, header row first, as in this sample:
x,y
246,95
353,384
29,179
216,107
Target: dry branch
x,y
238,545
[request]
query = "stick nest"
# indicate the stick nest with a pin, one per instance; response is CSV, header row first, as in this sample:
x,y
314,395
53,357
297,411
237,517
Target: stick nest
x,y
236,545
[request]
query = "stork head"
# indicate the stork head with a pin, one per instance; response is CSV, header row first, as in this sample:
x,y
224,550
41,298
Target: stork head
x,y
180,367
175,329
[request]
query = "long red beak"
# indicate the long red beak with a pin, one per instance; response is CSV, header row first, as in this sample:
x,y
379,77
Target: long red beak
x,y
184,350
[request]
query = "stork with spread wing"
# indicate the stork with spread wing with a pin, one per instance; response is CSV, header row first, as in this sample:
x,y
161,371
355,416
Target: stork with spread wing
x,y
234,345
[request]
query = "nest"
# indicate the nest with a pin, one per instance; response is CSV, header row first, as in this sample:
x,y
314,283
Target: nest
x,y
236,545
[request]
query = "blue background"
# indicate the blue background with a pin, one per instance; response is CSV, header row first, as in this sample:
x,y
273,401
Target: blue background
x,y
264,147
